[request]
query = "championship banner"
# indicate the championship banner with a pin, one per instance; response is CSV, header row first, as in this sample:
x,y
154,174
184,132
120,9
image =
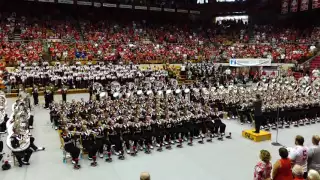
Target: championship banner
x,y
124,6
109,5
194,12
65,1
97,4
304,5
315,4
141,7
155,9
84,3
294,6
48,1
249,62
284,6
169,10
182,11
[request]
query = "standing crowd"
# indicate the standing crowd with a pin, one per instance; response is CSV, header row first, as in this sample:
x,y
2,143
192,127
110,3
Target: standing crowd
x,y
297,163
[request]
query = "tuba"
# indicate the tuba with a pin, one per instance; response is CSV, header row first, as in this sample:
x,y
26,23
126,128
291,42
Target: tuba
x,y
18,125
99,90
3,105
316,84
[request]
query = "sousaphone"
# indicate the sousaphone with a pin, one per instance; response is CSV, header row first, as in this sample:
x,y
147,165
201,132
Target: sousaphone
x,y
3,106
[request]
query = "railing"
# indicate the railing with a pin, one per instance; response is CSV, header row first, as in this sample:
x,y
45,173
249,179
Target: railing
x,y
307,63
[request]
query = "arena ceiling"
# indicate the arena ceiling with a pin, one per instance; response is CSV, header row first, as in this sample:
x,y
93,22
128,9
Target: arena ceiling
x,y
207,7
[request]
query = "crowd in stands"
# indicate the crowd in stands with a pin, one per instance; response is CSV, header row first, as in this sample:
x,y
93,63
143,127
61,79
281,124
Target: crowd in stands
x,y
144,42
297,163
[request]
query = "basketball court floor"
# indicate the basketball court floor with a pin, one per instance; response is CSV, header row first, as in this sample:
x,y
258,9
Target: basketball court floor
x,y
220,160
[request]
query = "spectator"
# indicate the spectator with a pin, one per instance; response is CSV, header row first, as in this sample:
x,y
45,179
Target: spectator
x,y
262,170
299,154
282,168
297,172
314,154
313,175
144,176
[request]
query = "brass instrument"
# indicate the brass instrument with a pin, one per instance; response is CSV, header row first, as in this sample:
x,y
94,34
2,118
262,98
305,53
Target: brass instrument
x,y
18,126
3,105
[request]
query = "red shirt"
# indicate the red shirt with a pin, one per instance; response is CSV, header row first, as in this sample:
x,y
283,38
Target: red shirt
x,y
284,171
298,178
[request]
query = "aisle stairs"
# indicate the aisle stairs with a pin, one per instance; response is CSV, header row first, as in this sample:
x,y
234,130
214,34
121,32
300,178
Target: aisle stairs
x,y
16,37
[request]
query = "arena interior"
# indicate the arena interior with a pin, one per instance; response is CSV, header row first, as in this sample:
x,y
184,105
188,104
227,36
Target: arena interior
x,y
113,88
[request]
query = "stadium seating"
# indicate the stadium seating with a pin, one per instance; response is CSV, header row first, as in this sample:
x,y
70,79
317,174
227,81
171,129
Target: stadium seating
x,y
141,42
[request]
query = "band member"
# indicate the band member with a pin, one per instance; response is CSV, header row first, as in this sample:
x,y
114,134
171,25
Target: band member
x,y
46,99
258,118
54,117
147,132
3,126
219,126
100,140
114,137
34,147
51,93
90,89
35,95
126,136
31,120
70,147
64,91
22,156
1,148
89,145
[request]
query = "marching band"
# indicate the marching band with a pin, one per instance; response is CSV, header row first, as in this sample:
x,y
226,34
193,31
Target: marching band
x,y
75,76
136,116
131,110
129,122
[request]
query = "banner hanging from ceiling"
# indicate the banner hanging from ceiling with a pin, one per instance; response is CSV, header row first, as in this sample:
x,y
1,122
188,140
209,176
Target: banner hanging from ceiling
x,y
294,6
315,4
304,5
249,62
285,6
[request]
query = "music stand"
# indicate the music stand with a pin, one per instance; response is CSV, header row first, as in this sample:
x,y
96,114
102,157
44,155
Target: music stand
x,y
276,143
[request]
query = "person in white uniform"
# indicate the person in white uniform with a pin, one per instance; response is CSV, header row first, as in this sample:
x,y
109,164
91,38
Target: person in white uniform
x,y
299,154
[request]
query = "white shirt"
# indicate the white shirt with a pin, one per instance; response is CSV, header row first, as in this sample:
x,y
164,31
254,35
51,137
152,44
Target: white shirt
x,y
299,155
183,68
315,72
228,71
